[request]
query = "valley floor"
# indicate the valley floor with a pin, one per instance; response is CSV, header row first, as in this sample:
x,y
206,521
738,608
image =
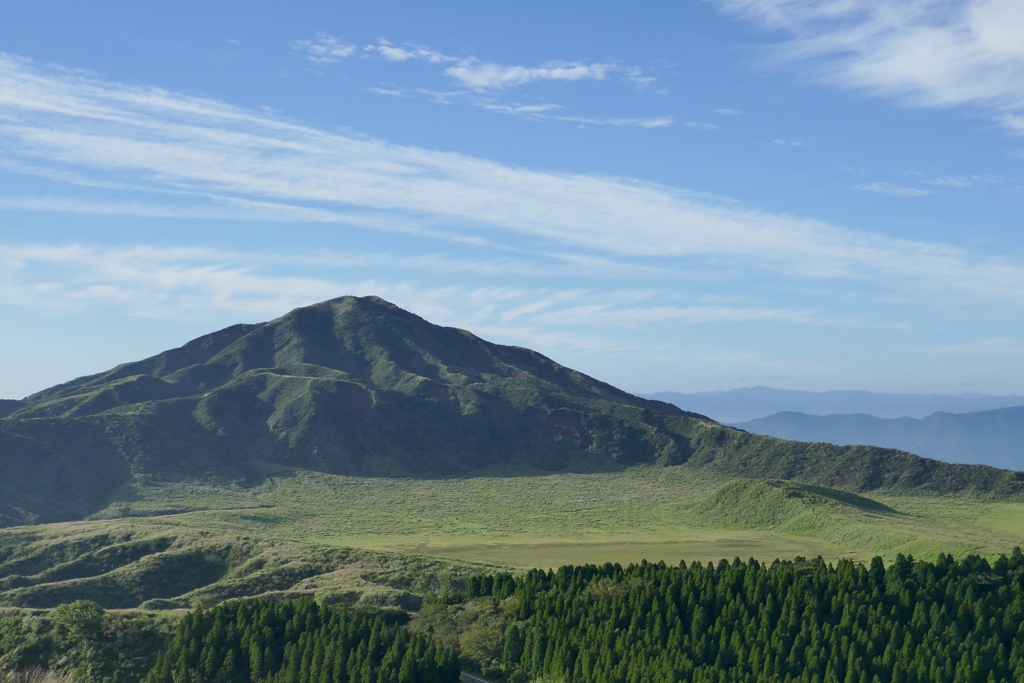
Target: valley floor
x,y
387,541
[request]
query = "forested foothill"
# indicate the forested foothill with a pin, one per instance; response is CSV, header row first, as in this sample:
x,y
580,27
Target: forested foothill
x,y
910,622
802,620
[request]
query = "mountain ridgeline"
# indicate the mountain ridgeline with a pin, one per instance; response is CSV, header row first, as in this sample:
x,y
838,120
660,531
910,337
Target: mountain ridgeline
x,y
358,386
741,405
991,437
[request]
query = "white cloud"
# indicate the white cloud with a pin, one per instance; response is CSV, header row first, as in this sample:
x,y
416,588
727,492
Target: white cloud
x,y
478,75
548,111
650,122
636,75
893,190
388,92
190,284
791,142
150,282
962,181
932,53
529,110
209,153
180,282
952,181
324,49
393,53
483,76
728,112
601,315
1014,123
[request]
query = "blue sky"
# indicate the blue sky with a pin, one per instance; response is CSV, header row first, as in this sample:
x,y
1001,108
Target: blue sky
x,y
809,194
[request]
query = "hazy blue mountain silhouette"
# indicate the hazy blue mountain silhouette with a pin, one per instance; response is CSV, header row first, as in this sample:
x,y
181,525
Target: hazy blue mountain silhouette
x,y
990,437
740,405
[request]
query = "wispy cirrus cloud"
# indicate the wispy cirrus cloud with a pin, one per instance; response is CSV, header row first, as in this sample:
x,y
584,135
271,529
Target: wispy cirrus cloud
x,y
204,153
158,282
791,142
393,53
1014,123
602,315
893,190
481,80
642,122
181,283
518,109
929,53
962,181
391,92
324,49
548,110
653,122
473,73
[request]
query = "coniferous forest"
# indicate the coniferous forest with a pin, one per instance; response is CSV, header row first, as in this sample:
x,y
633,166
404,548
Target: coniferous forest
x,y
298,641
912,622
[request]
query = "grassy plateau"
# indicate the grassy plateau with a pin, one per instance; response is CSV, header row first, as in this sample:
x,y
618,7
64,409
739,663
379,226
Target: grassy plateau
x,y
386,541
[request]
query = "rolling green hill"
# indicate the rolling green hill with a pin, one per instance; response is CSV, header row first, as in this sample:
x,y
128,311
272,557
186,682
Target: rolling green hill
x,y
357,386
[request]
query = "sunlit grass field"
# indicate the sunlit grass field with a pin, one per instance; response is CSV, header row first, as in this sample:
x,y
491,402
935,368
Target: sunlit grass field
x,y
388,540
527,521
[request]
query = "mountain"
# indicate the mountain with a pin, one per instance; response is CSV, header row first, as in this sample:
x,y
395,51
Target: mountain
x,y
741,405
8,406
990,437
358,386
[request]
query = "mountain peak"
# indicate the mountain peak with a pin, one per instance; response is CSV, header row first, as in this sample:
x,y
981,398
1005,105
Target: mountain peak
x,y
353,385
358,386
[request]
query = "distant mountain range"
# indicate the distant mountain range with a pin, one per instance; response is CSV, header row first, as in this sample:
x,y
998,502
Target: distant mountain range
x,y
990,437
741,405
358,386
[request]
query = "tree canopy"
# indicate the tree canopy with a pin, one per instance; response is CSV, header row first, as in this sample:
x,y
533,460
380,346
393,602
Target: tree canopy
x,y
808,621
298,641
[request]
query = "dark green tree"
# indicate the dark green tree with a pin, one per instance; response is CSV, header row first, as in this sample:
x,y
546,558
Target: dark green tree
x,y
803,621
298,641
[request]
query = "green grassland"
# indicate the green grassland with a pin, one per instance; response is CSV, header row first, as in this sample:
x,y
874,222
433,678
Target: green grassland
x,y
385,542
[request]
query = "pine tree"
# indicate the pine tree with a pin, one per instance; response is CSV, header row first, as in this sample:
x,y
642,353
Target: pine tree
x,y
296,642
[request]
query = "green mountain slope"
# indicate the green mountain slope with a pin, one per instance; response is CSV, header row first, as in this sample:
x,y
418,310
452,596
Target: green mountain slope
x,y
8,406
357,386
